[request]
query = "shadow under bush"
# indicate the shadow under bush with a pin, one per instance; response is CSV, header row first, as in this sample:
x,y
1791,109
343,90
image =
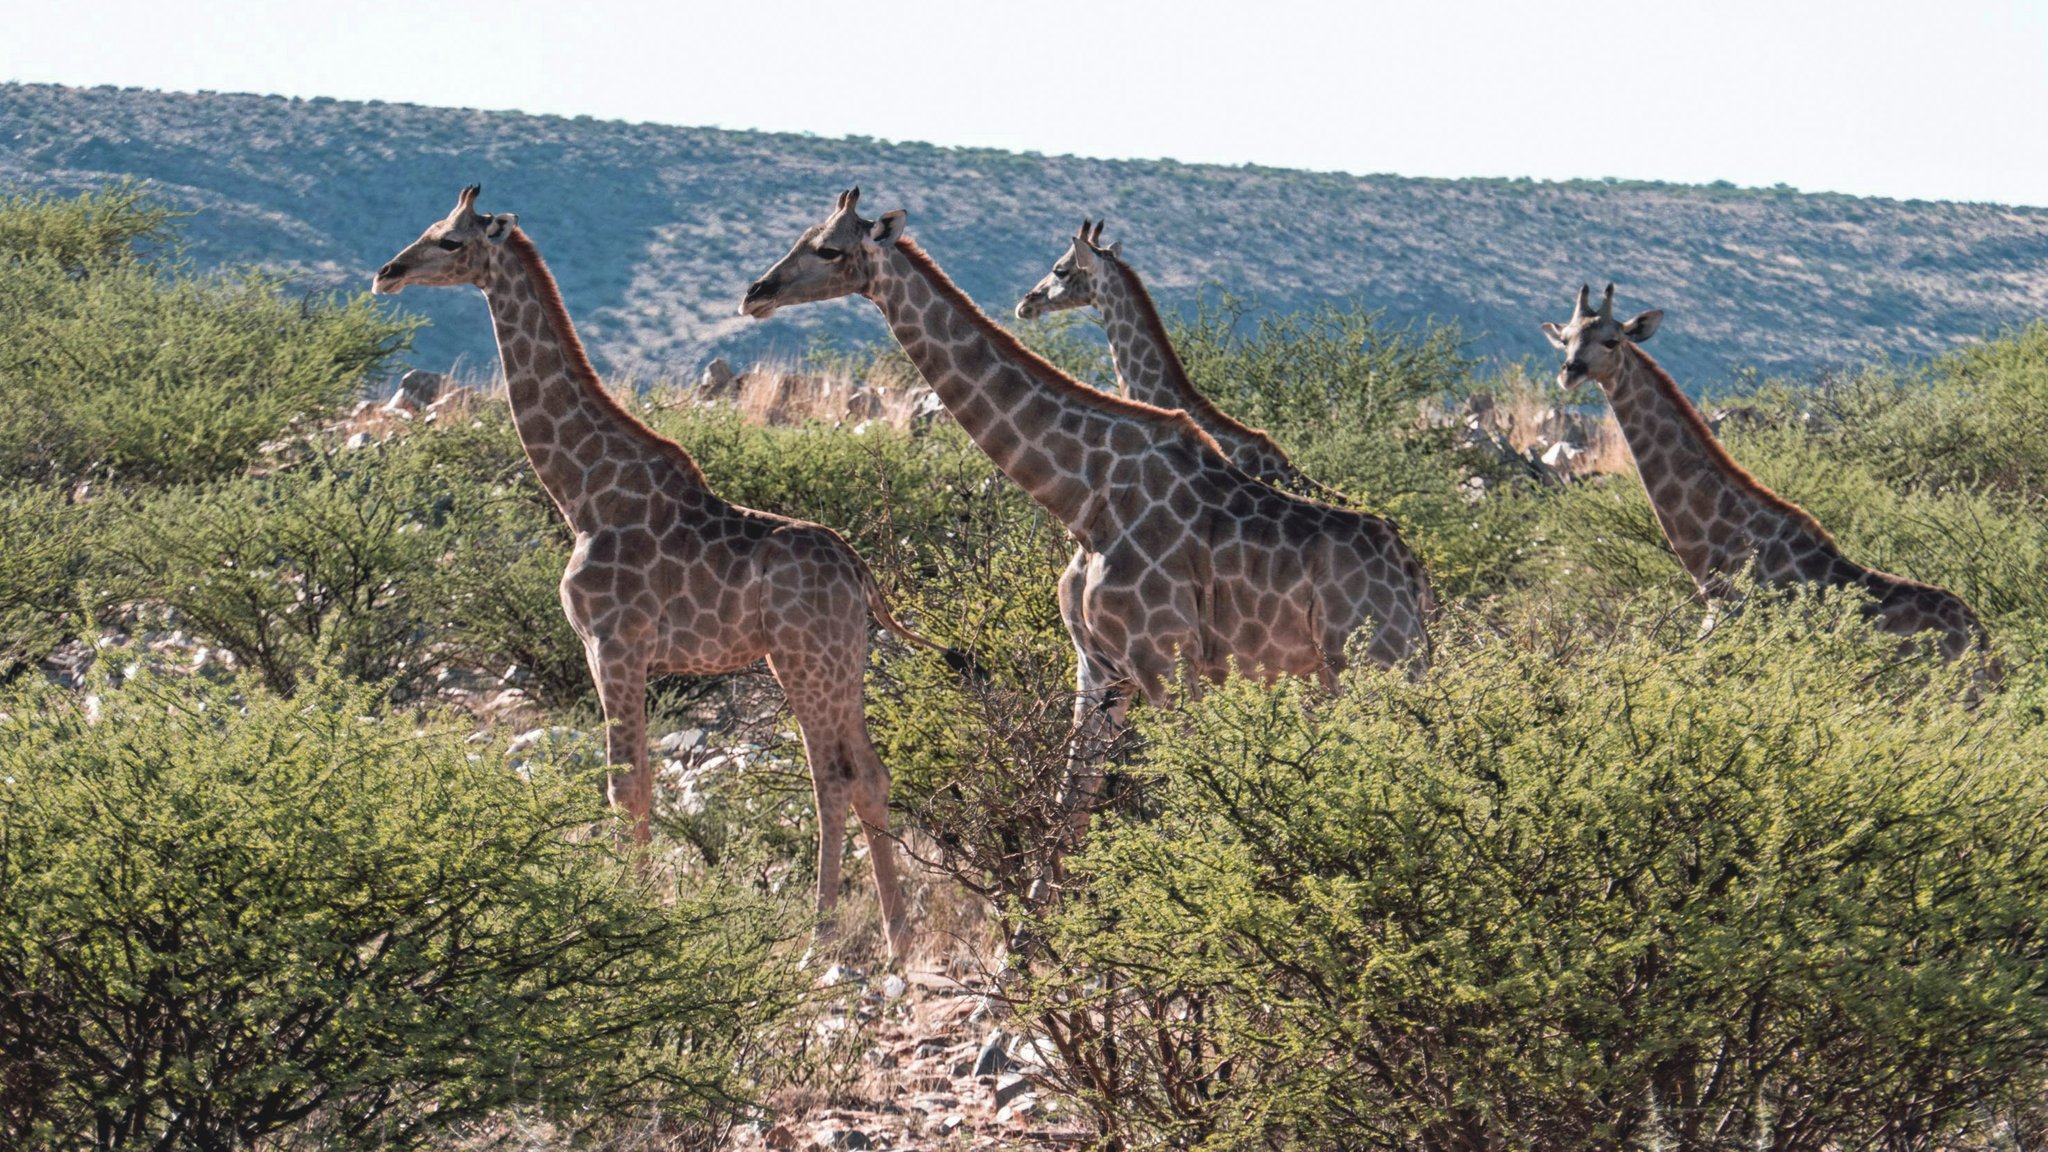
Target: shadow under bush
x,y
232,917
1772,888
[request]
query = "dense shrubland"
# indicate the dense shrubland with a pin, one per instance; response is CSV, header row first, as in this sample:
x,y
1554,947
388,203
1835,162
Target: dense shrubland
x,y
1599,880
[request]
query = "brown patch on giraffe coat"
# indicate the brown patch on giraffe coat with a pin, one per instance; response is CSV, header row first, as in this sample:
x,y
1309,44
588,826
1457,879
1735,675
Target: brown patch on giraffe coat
x,y
1012,351
548,295
1200,408
1711,445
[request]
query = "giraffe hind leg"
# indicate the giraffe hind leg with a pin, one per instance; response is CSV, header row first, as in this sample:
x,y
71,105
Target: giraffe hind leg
x,y
845,772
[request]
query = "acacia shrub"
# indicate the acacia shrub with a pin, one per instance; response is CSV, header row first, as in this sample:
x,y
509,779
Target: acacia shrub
x,y
1769,888
47,563
234,919
1297,373
120,363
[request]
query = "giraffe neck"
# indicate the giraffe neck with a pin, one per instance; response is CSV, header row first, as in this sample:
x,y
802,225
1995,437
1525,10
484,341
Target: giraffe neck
x,y
1149,371
1712,511
566,420
1057,438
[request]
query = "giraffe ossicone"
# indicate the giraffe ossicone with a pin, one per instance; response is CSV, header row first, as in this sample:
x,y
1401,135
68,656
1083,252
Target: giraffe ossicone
x,y
1720,520
1187,564
666,577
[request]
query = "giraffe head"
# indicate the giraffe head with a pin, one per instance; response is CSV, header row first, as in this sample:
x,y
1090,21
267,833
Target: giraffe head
x,y
831,259
1591,340
1071,283
455,250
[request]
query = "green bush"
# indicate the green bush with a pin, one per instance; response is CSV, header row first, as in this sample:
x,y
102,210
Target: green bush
x,y
47,560
1767,889
234,919
1298,374
122,367
502,548
330,563
81,234
1975,418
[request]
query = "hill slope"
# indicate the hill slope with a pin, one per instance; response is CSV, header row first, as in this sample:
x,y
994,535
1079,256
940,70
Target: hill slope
x,y
655,230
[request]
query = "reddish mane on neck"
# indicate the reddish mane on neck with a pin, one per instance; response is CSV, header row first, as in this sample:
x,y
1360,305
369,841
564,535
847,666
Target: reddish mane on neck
x,y
578,360
1041,369
1711,445
1199,406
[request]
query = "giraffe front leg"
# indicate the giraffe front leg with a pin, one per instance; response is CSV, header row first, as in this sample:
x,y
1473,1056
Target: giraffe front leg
x,y
621,675
1101,700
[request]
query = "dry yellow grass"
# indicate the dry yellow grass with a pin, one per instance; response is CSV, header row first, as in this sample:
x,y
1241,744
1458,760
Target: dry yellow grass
x,y
1530,417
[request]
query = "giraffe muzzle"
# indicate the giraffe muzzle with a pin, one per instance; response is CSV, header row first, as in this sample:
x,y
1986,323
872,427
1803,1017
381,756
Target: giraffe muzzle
x,y
386,282
759,302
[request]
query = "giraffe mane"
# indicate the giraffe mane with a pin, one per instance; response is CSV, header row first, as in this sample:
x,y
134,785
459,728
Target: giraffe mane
x,y
578,360
1199,405
1711,444
1043,370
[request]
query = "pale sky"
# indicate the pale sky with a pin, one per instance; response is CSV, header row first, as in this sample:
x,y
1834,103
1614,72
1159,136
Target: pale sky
x,y
1874,97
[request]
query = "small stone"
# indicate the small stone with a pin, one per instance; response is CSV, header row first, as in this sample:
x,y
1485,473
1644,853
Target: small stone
x,y
1010,1087
838,974
851,1139
894,986
357,442
946,1124
782,1138
420,388
675,743
993,1061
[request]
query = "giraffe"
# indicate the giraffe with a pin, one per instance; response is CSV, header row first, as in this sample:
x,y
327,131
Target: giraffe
x,y
665,576
1187,563
1148,369
1717,517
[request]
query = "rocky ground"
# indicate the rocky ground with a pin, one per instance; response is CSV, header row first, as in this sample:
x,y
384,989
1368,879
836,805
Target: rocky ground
x,y
940,1066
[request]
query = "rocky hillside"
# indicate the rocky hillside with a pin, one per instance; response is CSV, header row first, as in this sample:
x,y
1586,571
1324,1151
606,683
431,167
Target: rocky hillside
x,y
655,230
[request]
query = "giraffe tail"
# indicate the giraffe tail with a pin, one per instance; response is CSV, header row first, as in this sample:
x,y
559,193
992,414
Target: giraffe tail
x,y
961,661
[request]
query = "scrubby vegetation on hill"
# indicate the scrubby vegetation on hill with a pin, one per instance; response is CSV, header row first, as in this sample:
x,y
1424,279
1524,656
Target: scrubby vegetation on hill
x,y
654,230
1597,881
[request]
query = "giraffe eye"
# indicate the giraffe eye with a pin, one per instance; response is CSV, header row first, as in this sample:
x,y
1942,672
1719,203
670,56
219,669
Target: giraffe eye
x,y
448,245
829,253
1610,343
1060,273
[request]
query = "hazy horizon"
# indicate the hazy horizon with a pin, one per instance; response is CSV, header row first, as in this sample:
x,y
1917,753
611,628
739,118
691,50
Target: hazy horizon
x,y
1872,99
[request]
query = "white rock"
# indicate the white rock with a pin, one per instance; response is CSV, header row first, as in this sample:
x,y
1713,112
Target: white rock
x,y
685,740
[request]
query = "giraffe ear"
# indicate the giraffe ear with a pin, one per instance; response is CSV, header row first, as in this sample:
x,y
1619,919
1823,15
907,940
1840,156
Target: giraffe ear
x,y
1555,334
889,229
501,226
1644,326
1116,249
